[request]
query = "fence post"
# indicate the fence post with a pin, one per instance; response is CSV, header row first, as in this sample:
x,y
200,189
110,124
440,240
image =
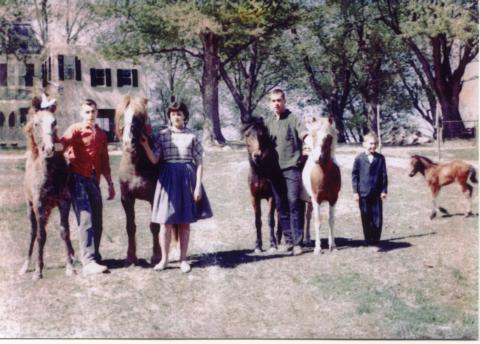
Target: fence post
x,y
378,129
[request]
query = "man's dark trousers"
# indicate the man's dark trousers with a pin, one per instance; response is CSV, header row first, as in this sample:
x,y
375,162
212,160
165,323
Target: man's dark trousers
x,y
372,218
287,187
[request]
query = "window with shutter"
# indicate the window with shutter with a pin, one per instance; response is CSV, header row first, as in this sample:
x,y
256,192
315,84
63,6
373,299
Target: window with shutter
x,y
2,119
69,67
119,78
92,77
29,74
23,115
61,75
49,68
44,74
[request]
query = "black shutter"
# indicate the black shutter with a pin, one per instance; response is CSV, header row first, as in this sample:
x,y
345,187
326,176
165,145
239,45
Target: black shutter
x,y
108,77
11,119
49,68
134,78
78,69
3,74
44,74
119,78
29,75
61,74
2,119
93,80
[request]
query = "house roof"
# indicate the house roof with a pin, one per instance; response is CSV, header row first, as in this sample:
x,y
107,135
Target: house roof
x,y
19,38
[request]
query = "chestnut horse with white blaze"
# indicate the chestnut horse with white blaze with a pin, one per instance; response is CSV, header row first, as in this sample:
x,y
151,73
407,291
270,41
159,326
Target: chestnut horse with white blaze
x,y
46,186
138,176
438,175
321,177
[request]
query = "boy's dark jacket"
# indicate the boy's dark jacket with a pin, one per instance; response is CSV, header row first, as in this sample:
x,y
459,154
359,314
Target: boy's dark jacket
x,y
369,179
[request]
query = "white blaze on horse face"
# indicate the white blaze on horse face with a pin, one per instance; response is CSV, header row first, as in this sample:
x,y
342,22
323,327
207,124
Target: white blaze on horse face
x,y
127,124
47,126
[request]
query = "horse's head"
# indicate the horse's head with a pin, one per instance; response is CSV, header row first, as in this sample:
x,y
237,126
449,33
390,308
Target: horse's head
x,y
418,164
324,138
131,121
257,140
41,132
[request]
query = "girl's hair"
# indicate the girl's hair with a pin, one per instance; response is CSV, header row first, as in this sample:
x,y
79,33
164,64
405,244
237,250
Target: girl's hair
x,y
178,106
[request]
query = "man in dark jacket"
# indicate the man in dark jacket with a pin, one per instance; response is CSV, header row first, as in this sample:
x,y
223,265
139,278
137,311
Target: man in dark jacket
x,y
369,182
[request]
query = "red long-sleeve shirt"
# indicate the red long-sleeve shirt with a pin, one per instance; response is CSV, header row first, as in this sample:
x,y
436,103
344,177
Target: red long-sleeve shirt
x,y
87,150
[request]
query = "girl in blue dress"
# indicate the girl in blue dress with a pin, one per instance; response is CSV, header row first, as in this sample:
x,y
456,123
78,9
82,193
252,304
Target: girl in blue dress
x,y
179,196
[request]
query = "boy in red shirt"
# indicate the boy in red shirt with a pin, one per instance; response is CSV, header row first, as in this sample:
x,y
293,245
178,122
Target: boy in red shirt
x,y
86,146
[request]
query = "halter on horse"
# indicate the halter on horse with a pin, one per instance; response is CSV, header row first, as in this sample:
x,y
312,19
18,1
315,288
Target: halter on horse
x,y
438,175
263,163
46,186
138,176
321,176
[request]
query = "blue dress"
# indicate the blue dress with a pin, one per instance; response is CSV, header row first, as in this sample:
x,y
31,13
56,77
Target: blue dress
x,y
179,153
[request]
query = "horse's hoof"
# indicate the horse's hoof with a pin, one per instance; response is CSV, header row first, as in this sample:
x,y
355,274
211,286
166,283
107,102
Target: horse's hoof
x,y
257,250
37,276
433,215
317,251
469,214
443,210
70,271
332,248
155,260
24,268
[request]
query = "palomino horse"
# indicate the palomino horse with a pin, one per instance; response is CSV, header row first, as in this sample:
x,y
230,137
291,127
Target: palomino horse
x,y
438,175
263,164
46,186
321,176
138,176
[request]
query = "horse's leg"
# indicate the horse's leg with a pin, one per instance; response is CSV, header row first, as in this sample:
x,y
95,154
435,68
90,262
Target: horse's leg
x,y
331,223
33,236
157,252
64,209
271,224
41,215
316,225
435,192
467,190
308,218
129,207
258,223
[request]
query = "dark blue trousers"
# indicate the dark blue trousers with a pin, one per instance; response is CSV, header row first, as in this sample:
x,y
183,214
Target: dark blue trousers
x,y
287,188
371,212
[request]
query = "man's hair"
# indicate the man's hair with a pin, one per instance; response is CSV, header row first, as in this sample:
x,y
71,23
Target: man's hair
x,y
90,102
370,136
278,91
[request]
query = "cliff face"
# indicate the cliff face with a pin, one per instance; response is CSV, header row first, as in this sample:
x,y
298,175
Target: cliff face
x,y
469,95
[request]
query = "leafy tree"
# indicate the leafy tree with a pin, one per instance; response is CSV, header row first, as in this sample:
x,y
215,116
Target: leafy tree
x,y
443,35
215,32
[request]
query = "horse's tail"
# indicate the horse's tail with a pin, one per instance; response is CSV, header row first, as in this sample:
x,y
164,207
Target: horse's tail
x,y
473,175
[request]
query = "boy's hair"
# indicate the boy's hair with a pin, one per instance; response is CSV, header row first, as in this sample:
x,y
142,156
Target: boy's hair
x,y
279,91
90,102
370,136
178,106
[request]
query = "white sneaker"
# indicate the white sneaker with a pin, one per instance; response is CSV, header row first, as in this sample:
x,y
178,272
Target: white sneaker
x,y
93,268
297,250
162,265
185,267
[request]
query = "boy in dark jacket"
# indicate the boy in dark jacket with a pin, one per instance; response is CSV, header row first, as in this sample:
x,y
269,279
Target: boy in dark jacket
x,y
369,182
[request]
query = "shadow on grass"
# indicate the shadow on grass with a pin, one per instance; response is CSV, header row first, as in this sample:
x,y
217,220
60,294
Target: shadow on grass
x,y
113,264
231,259
458,214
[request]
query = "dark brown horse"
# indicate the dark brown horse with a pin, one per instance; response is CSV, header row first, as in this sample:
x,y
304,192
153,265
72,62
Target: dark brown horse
x,y
138,176
46,186
321,177
439,175
263,164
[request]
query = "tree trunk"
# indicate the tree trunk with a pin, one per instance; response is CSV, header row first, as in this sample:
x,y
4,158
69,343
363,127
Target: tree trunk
x,y
452,121
210,80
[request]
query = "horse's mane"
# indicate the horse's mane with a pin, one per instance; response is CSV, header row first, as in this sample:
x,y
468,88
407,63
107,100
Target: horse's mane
x,y
139,105
424,159
325,126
